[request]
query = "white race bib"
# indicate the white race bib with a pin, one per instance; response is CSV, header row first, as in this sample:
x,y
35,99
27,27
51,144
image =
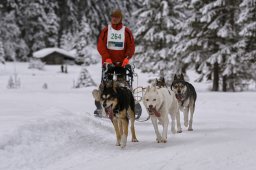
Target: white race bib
x,y
115,39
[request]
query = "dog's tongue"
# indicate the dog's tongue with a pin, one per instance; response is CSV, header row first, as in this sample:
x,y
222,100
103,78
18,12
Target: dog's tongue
x,y
179,97
110,113
153,110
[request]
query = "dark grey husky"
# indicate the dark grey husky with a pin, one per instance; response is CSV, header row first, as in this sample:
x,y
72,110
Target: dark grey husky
x,y
186,95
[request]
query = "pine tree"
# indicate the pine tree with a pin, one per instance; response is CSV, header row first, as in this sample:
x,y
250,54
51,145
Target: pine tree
x,y
52,29
2,60
244,68
33,22
226,37
82,44
9,34
156,31
43,22
188,49
247,20
208,39
67,41
219,17
85,79
68,14
10,84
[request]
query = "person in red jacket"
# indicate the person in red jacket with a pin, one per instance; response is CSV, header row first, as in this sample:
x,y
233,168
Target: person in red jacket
x,y
116,47
116,44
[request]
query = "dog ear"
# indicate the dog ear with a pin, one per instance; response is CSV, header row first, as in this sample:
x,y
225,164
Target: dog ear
x,y
103,85
147,89
175,77
181,77
154,88
156,81
163,80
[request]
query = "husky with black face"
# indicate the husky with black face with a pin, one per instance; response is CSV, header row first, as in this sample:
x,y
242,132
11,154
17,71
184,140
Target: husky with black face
x,y
119,105
160,82
186,96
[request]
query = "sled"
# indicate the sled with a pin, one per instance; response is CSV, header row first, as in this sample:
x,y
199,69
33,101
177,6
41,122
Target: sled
x,y
127,82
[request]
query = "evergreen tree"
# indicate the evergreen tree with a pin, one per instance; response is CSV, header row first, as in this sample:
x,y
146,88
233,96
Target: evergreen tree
x,y
52,29
188,49
244,70
82,44
42,23
33,24
219,17
10,36
157,21
208,39
67,41
98,13
85,79
68,11
2,60
247,20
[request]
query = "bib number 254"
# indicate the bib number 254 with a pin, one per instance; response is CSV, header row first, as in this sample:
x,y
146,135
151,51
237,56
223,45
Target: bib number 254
x,y
115,36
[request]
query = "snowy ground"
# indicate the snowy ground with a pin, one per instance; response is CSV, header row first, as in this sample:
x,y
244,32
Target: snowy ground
x,y
54,129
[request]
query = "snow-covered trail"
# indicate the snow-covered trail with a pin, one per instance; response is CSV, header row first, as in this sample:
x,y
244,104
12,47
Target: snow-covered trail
x,y
223,138
54,129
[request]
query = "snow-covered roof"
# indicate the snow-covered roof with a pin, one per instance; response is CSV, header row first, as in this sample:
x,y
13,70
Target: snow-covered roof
x,y
46,51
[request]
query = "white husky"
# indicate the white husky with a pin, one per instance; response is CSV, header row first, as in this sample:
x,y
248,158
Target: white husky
x,y
159,102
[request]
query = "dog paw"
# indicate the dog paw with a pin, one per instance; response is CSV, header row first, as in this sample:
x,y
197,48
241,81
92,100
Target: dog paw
x,y
163,140
135,140
123,145
123,141
179,131
117,143
186,124
174,131
158,140
190,129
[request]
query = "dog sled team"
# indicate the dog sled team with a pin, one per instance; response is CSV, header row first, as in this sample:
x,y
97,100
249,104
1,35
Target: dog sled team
x,y
115,97
160,102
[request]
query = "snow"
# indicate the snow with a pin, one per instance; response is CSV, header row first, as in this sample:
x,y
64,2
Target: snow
x,y
46,51
54,128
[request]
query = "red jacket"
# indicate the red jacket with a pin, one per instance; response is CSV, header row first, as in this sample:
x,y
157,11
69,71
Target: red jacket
x,y
116,55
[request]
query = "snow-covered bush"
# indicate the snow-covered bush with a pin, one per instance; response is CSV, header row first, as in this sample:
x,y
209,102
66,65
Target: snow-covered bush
x,y
45,86
36,64
10,84
2,54
13,83
85,79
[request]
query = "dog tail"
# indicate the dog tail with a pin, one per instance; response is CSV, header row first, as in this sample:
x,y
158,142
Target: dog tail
x,y
192,91
192,108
